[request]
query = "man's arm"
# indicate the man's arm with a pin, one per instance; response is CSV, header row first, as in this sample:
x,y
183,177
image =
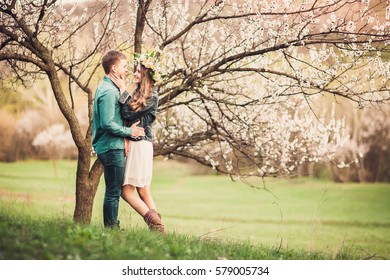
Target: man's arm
x,y
106,107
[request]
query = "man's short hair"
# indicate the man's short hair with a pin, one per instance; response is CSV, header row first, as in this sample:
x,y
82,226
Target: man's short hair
x,y
110,58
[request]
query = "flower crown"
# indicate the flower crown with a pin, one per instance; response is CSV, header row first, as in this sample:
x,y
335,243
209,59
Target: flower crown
x,y
149,61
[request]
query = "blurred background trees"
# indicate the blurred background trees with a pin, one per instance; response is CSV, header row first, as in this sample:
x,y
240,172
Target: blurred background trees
x,y
27,116
367,153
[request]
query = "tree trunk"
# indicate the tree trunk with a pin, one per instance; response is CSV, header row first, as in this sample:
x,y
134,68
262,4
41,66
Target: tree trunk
x,y
378,171
87,180
142,10
86,186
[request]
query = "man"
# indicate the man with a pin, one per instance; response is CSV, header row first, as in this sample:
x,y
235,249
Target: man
x,y
108,133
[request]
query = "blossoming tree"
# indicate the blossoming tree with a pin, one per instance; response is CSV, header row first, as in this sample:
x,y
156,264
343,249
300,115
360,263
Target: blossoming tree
x,y
244,81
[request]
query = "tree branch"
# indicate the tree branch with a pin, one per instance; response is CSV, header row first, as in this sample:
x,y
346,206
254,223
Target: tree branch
x,y
21,57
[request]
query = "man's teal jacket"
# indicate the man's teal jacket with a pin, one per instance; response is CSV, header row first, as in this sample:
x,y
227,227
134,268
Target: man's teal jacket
x,y
107,125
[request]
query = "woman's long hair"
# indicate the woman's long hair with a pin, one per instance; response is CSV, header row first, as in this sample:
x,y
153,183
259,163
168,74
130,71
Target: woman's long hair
x,y
143,91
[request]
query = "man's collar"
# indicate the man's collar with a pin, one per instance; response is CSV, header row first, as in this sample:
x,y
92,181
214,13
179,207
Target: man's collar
x,y
108,79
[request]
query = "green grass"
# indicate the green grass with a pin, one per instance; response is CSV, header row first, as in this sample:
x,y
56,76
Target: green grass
x,y
298,218
27,238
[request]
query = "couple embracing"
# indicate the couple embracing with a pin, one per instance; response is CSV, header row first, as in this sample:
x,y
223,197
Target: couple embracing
x,y
122,137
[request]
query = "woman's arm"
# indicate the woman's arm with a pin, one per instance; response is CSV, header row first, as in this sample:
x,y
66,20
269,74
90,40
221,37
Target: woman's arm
x,y
151,115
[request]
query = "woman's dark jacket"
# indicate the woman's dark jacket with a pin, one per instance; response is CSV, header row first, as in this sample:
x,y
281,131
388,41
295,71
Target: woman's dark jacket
x,y
146,115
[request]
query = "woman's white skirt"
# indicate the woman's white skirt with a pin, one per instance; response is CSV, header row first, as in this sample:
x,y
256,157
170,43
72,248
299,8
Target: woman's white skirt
x,y
139,164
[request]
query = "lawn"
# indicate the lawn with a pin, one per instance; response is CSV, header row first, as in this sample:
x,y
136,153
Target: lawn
x,y
300,214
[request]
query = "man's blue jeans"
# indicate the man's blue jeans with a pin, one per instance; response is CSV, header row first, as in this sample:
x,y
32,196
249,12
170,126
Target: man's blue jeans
x,y
114,168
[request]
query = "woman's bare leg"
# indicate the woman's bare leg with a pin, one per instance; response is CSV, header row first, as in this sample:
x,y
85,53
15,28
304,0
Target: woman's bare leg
x,y
146,197
152,217
129,195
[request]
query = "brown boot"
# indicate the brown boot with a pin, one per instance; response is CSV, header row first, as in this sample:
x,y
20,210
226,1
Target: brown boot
x,y
153,220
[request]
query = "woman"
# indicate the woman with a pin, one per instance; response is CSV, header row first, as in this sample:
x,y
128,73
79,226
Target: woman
x,y
141,106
